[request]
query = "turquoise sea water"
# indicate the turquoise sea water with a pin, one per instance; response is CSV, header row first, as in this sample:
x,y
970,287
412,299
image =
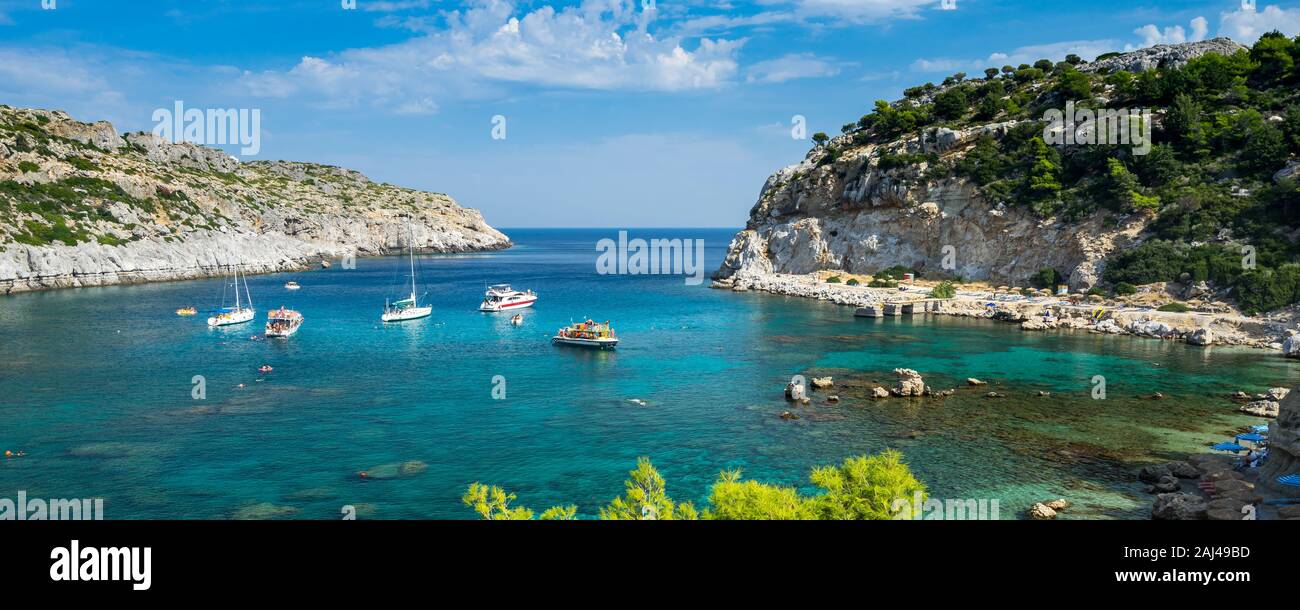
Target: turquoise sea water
x,y
96,387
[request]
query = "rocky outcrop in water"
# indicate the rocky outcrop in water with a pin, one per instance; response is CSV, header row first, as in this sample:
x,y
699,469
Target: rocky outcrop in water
x,y
81,205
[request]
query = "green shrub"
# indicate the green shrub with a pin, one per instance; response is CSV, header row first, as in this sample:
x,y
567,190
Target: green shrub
x,y
1125,288
83,164
852,282
945,290
1047,278
882,283
28,166
1174,307
896,272
834,279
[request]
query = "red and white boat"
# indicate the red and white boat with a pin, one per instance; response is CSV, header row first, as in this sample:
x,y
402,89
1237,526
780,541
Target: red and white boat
x,y
502,297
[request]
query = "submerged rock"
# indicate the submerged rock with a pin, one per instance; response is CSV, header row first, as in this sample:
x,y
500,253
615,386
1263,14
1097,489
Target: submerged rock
x,y
395,470
822,383
262,511
974,381
879,392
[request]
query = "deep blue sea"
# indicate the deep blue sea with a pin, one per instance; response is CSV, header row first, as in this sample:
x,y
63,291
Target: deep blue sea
x,y
96,387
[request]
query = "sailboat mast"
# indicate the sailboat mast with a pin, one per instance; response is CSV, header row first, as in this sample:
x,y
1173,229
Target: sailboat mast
x,y
410,243
236,286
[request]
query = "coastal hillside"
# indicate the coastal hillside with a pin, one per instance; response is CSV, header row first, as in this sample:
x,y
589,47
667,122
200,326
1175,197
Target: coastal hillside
x,y
81,205
965,173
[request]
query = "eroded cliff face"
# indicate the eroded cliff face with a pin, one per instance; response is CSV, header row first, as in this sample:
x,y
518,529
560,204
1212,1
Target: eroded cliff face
x,y
137,208
854,216
858,216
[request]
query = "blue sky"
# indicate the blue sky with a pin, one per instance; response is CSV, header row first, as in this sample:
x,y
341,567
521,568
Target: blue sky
x,y
618,113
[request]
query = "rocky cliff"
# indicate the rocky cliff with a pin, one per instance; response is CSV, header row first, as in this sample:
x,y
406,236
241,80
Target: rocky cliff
x,y
81,205
860,203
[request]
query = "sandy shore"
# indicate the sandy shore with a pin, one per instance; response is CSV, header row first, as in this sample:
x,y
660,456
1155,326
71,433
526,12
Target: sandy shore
x,y
1039,313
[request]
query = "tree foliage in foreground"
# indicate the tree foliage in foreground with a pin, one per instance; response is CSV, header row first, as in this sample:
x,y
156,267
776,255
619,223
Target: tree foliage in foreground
x,y
860,488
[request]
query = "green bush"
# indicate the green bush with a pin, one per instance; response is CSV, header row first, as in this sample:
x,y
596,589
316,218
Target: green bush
x,y
1047,278
1125,288
852,282
882,283
896,272
1174,307
945,290
28,166
834,279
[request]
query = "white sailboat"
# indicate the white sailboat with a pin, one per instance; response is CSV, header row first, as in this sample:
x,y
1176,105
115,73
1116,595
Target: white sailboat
x,y
242,311
407,308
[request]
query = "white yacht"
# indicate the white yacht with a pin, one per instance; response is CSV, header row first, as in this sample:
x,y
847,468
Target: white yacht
x,y
241,312
502,297
407,308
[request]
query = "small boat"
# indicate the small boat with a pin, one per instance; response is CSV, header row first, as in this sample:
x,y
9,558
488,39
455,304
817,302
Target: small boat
x,y
502,297
408,308
187,311
291,285
265,368
517,319
241,312
587,334
282,322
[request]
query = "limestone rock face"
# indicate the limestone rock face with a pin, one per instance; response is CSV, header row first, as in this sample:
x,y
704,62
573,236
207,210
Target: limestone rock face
x,y
854,213
1284,444
145,209
1170,55
1291,347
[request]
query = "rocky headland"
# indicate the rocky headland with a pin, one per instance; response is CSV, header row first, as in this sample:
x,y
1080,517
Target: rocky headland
x,y
928,199
82,205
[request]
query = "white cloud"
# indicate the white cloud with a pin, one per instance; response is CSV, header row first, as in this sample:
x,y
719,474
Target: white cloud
x,y
1246,26
1087,49
601,44
790,67
1153,35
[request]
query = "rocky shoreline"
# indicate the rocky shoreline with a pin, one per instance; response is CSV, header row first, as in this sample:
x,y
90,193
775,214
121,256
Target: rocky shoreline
x,y
1042,313
81,205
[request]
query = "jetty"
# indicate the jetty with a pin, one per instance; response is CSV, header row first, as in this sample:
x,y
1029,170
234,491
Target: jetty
x,y
882,309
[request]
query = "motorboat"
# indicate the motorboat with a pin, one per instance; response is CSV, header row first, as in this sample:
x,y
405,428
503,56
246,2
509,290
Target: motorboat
x,y
502,297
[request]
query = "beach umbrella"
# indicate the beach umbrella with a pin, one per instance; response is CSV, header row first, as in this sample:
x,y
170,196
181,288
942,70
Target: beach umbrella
x,y
1234,447
1252,437
1259,428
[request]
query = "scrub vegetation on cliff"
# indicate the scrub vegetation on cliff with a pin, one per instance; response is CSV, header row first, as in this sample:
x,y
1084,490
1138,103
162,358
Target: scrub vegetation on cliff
x,y
1214,199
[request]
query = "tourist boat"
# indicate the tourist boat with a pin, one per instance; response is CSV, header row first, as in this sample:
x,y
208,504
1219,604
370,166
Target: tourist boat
x,y
282,322
587,334
291,285
241,312
408,308
187,311
502,297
